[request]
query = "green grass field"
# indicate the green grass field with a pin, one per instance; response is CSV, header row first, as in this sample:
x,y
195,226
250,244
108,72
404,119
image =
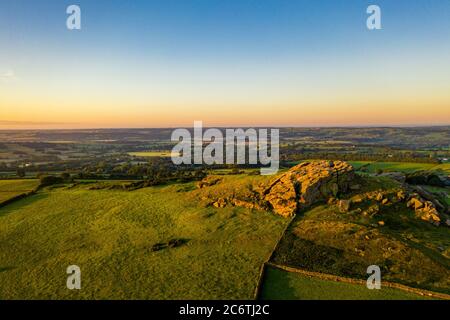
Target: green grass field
x,y
110,234
12,188
400,166
18,185
282,285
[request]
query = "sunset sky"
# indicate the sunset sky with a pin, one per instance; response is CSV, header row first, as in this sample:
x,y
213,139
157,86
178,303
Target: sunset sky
x,y
167,63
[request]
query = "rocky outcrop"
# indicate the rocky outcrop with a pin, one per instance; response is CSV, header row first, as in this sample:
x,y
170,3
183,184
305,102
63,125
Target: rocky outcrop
x,y
344,205
306,184
333,182
208,181
430,197
424,209
220,203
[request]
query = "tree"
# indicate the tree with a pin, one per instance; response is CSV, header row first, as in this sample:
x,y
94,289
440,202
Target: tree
x,y
21,172
65,176
50,180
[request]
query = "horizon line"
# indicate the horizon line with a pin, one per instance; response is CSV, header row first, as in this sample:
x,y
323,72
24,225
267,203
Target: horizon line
x,y
225,127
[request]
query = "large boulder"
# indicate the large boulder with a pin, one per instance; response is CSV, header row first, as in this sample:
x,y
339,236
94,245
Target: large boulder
x,y
430,197
306,184
424,209
344,205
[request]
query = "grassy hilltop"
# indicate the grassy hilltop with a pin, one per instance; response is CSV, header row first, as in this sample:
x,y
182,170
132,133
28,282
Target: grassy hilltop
x,y
172,242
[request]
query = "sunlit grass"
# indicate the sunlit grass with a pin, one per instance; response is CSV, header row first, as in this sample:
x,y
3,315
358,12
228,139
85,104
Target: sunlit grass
x,y
400,166
282,285
12,188
109,234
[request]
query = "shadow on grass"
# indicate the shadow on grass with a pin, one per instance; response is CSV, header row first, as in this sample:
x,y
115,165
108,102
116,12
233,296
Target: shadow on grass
x,y
276,285
3,269
421,230
22,203
172,243
432,254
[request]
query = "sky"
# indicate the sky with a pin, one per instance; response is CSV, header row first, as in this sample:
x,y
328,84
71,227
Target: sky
x,y
166,63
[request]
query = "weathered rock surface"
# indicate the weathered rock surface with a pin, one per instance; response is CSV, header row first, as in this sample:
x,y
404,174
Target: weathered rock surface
x,y
306,184
208,181
220,203
315,181
428,196
424,209
344,205
401,195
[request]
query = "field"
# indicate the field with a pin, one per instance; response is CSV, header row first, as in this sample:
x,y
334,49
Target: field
x,y
164,154
282,285
120,240
110,236
406,167
12,188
